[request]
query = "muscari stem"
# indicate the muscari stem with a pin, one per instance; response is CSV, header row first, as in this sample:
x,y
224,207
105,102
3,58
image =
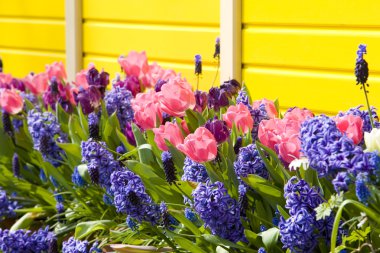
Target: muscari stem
x,y
217,72
368,106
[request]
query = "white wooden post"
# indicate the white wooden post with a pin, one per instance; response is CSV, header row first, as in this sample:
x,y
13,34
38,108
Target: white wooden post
x,y
230,40
73,16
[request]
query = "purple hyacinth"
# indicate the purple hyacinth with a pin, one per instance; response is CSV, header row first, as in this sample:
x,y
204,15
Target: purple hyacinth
x,y
131,83
297,232
258,114
168,165
168,221
119,100
131,198
248,161
217,98
100,162
26,241
7,206
43,128
299,195
364,115
219,129
193,171
328,150
361,66
219,211
16,165
7,124
243,98
76,246
198,64
93,125
341,181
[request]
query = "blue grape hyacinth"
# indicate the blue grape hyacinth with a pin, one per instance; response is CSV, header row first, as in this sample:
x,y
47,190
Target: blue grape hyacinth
x,y
131,198
43,128
219,211
119,100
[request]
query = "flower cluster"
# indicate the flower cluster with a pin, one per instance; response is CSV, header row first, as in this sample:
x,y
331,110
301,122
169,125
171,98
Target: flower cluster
x,y
193,171
248,161
219,211
100,162
25,241
364,115
130,197
119,100
44,127
76,246
7,206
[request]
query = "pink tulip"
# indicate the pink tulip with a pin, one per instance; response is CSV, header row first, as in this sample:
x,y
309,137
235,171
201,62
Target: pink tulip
x,y
169,131
352,126
37,83
11,101
282,136
5,80
176,97
56,69
200,146
240,116
136,64
147,110
157,73
298,114
269,107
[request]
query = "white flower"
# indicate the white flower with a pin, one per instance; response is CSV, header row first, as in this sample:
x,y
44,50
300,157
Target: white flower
x,y
297,163
372,140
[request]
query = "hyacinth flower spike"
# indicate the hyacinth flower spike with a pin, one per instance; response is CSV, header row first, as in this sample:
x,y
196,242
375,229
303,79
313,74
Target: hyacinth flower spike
x,y
198,67
361,73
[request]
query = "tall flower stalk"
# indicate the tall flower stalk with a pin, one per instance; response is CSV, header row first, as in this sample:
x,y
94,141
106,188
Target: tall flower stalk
x,y
217,57
361,73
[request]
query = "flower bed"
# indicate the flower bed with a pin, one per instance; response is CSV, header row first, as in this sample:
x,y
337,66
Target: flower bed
x,y
150,164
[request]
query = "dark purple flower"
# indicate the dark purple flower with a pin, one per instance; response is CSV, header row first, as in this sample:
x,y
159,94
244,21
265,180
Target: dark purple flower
x,y
169,169
93,125
219,129
198,64
17,84
231,87
159,84
16,165
88,99
219,211
131,83
7,124
217,98
217,48
98,80
361,66
200,100
129,134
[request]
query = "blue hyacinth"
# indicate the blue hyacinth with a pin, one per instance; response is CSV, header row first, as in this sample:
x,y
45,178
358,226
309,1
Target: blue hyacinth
x,y
25,241
249,161
119,100
131,223
297,232
131,198
261,250
193,171
77,179
43,128
190,215
362,191
100,162
219,211
7,206
243,98
341,182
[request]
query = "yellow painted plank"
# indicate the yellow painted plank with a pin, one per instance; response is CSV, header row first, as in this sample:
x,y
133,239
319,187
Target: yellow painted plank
x,y
19,63
319,13
319,91
309,48
168,43
32,34
110,65
33,8
154,11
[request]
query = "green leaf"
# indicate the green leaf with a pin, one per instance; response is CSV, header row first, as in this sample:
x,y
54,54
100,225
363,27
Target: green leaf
x,y
194,120
181,218
145,155
62,117
359,235
184,243
253,238
76,132
270,237
82,119
25,221
73,152
219,241
124,140
283,212
84,229
109,131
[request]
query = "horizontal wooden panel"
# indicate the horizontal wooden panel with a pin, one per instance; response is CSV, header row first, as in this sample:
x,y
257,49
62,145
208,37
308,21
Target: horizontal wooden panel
x,y
309,48
19,63
33,8
110,65
153,11
315,90
170,43
32,34
319,13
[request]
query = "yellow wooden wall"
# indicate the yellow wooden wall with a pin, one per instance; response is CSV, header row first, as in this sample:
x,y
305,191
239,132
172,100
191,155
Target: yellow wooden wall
x,y
303,52
170,31
32,34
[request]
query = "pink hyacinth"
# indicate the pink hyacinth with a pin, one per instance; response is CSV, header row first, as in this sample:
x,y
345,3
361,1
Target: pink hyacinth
x,y
169,131
11,101
240,116
200,146
176,97
352,126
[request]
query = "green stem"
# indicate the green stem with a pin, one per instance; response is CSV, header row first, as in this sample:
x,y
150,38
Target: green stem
x,y
368,106
334,233
217,72
165,238
197,81
182,191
